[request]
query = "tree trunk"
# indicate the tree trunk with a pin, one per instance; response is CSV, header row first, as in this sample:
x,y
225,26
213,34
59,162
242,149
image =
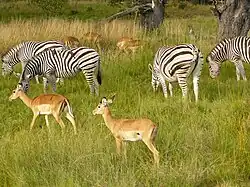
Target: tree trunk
x,y
153,17
233,17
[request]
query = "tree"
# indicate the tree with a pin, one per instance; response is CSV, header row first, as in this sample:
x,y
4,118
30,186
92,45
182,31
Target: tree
x,y
151,14
233,17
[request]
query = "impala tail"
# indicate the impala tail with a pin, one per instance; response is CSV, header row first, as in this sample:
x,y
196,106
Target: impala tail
x,y
65,104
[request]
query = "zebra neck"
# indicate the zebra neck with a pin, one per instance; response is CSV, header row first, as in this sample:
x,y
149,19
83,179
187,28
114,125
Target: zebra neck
x,y
27,101
108,119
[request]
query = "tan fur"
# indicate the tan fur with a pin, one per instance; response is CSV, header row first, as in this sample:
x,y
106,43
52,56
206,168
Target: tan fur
x,y
93,38
127,44
46,104
129,129
71,41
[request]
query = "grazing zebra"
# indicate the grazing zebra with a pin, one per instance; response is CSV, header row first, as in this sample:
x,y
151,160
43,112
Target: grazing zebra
x,y
176,64
236,50
25,51
53,64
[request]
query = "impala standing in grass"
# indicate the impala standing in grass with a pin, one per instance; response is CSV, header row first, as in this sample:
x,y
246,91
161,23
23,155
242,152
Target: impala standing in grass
x,y
128,129
46,104
71,42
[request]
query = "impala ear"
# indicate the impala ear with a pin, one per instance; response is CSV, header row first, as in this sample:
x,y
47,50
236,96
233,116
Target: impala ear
x,y
110,101
150,67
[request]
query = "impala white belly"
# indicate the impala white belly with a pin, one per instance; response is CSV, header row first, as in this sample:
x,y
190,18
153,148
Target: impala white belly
x,y
44,109
131,135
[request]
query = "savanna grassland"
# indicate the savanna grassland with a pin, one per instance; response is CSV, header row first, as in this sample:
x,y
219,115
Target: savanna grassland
x,y
203,144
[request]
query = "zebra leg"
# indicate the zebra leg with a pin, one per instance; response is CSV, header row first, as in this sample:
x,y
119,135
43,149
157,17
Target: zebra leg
x,y
242,70
90,80
183,84
164,87
96,86
170,87
52,80
45,85
37,79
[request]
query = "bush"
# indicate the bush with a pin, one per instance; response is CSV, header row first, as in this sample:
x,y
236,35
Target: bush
x,y
50,6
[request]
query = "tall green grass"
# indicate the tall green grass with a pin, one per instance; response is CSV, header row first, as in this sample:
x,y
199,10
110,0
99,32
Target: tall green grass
x,y
203,144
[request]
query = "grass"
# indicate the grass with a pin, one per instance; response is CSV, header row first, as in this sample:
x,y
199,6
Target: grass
x,y
204,144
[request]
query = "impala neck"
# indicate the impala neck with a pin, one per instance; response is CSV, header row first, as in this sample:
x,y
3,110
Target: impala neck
x,y
108,119
27,101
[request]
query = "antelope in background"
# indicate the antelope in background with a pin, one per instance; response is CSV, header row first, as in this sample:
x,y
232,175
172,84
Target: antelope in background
x,y
128,129
128,44
46,104
71,42
93,38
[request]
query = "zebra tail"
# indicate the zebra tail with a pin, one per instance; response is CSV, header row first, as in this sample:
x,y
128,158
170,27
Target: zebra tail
x,y
99,75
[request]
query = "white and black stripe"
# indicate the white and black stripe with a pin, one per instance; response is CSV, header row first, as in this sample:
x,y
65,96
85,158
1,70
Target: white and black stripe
x,y
54,64
24,52
175,64
236,50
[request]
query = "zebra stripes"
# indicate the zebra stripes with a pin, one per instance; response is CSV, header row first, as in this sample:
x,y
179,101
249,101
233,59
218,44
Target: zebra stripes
x,y
236,50
54,64
176,64
24,52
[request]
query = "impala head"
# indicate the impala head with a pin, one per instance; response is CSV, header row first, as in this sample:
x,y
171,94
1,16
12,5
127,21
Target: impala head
x,y
102,105
155,79
16,93
214,67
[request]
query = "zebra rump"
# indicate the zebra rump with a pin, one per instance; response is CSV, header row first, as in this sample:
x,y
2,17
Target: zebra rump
x,y
174,64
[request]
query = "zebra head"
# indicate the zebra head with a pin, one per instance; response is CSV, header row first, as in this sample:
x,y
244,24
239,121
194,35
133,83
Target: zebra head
x,y
214,67
8,59
25,81
155,78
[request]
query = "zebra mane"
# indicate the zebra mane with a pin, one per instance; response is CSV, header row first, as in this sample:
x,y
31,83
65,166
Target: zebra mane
x,y
12,49
220,45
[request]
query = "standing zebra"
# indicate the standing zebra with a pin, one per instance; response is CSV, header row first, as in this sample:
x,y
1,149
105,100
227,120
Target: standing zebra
x,y
176,64
53,64
24,52
236,50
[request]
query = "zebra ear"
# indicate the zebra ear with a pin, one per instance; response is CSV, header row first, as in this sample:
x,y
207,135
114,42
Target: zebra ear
x,y
150,67
28,76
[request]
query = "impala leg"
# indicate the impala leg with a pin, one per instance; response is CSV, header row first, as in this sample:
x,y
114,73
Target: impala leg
x,y
152,148
47,122
72,120
118,145
33,121
124,145
59,120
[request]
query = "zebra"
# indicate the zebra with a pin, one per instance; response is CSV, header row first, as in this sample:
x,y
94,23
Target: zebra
x,y
175,64
23,52
236,49
53,64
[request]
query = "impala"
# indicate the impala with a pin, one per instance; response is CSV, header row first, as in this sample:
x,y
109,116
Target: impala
x,y
71,41
94,38
128,129
127,44
46,104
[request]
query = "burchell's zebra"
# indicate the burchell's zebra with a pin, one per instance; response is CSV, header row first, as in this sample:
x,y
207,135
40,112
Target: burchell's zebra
x,y
236,50
54,64
176,64
25,51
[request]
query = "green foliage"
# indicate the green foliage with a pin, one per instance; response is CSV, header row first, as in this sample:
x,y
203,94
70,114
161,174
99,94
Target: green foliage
x,y
50,6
